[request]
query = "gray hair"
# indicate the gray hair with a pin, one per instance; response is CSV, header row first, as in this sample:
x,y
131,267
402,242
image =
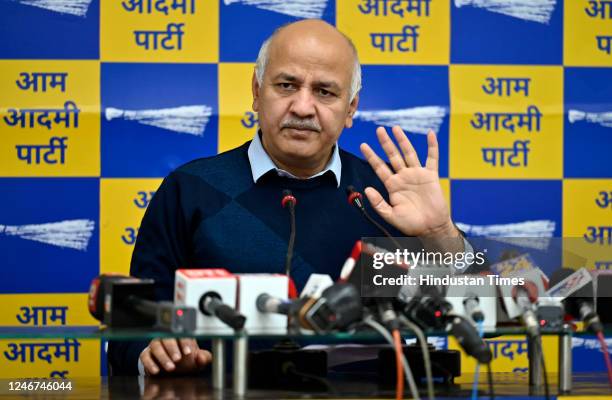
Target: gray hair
x,y
262,62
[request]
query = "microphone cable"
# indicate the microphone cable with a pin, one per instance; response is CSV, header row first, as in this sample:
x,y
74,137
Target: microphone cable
x,y
490,379
422,341
606,354
404,363
397,342
477,370
480,325
289,201
538,342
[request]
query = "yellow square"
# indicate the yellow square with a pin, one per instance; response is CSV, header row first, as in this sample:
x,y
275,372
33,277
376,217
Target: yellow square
x,y
41,104
587,204
407,37
45,310
122,206
154,31
509,355
45,358
237,120
585,21
507,122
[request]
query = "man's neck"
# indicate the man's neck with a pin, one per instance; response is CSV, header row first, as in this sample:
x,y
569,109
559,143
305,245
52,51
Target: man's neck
x,y
304,171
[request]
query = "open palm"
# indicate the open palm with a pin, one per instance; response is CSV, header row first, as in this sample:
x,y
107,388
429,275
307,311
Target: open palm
x,y
416,204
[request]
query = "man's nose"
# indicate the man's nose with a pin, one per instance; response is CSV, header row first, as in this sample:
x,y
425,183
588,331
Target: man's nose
x,y
303,104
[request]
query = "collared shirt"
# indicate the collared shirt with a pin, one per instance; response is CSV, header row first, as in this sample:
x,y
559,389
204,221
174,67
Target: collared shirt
x,y
261,163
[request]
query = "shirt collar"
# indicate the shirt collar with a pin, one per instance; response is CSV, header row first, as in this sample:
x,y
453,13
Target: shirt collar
x,y
261,163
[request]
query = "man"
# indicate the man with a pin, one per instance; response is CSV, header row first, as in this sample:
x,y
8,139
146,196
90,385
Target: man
x,y
224,211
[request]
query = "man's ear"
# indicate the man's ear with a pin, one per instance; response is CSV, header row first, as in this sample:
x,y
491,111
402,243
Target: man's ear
x,y
351,112
255,90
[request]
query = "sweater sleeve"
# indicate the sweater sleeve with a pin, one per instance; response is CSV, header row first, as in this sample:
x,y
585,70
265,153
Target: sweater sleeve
x,y
161,247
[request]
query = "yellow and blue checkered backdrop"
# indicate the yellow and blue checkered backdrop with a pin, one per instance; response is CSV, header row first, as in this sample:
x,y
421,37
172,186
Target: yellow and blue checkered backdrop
x,y
100,99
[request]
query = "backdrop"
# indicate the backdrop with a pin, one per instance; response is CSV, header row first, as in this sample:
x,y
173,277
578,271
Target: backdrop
x,y
99,100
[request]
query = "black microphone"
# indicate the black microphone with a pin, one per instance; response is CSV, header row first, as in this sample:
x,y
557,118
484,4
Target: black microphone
x,y
470,340
289,201
580,303
430,310
211,304
270,304
127,302
166,315
338,307
355,199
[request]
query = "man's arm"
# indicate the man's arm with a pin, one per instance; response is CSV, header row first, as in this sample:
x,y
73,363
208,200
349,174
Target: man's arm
x,y
161,247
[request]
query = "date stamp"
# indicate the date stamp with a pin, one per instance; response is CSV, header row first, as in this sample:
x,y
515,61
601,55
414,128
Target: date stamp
x,y
33,385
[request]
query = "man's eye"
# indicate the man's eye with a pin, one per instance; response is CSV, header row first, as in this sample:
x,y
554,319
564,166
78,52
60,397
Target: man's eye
x,y
286,85
325,93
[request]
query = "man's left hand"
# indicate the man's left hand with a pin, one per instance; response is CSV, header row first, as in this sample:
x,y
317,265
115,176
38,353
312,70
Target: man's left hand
x,y
416,204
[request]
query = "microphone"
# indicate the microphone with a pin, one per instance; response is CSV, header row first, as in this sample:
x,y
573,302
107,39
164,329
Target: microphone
x,y
289,201
430,310
127,302
338,307
577,289
472,307
212,291
351,261
469,339
252,287
270,304
475,302
211,304
355,199
525,296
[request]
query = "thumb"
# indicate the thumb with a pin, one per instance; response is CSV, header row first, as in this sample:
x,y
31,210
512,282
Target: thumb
x,y
203,358
379,204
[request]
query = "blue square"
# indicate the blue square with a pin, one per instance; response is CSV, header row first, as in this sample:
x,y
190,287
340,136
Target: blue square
x,y
50,30
156,117
587,143
53,248
240,40
487,32
423,104
499,210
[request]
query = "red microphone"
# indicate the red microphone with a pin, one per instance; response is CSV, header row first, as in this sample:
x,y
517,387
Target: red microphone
x,y
288,198
354,197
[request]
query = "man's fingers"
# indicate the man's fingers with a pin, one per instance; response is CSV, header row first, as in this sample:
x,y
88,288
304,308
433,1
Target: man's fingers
x,y
433,152
378,203
380,168
188,345
160,355
410,155
395,157
203,358
150,366
172,348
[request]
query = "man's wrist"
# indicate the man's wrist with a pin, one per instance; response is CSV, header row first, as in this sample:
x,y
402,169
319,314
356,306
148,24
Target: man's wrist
x,y
446,238
445,231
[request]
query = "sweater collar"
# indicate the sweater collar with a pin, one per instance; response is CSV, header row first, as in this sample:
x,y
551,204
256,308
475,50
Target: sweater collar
x,y
261,163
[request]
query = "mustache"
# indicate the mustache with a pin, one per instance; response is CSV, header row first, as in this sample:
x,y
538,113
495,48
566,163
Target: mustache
x,y
302,124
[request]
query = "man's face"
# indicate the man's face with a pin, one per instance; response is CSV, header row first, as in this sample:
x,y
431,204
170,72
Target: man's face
x,y
303,102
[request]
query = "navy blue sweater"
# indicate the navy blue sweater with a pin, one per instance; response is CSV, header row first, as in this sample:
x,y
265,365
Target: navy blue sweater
x,y
210,214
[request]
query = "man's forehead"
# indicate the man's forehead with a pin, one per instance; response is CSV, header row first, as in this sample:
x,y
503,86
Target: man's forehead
x,y
319,60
